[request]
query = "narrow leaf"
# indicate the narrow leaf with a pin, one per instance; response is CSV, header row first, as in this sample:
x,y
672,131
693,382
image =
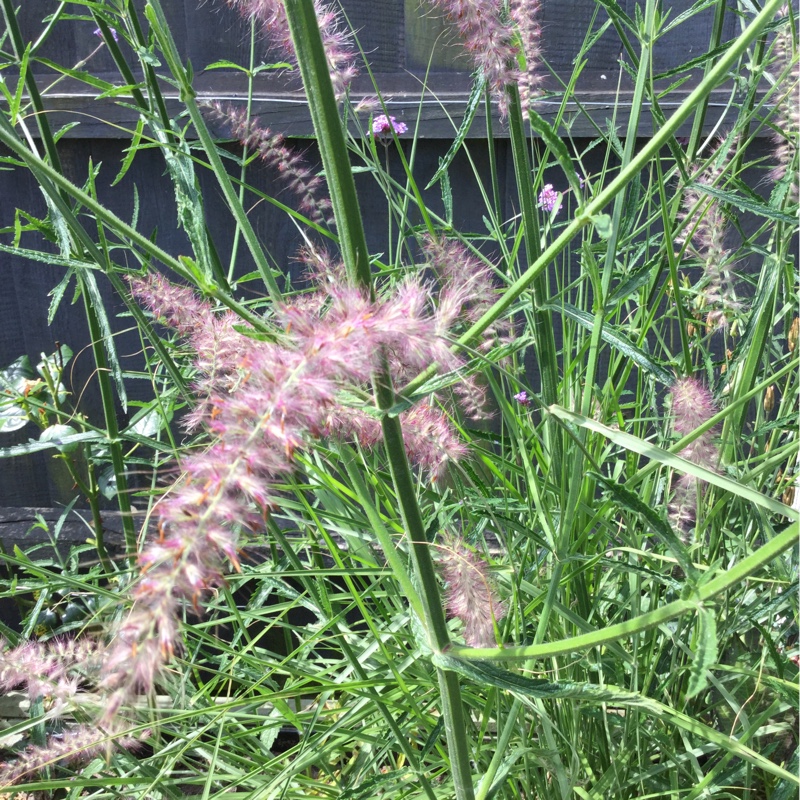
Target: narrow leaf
x,y
473,103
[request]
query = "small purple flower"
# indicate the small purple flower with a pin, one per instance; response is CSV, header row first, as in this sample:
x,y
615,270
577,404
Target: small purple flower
x,y
549,199
522,398
382,126
98,32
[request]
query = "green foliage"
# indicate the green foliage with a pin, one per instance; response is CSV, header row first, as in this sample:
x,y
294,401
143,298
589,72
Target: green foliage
x,y
639,656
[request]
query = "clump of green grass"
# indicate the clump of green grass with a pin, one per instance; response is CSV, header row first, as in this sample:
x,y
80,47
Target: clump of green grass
x,y
592,593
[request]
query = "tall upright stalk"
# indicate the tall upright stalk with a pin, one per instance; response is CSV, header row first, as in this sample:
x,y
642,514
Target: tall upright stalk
x,y
328,128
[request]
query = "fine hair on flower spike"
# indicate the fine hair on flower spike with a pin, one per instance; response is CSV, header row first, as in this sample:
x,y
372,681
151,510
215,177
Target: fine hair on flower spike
x,y
497,42
705,231
692,406
271,16
262,401
290,167
469,592
787,109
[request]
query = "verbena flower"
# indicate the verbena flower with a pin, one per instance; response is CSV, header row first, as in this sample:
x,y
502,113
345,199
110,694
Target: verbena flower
x,y
271,16
99,32
692,405
549,199
787,109
290,166
522,398
706,230
383,126
469,593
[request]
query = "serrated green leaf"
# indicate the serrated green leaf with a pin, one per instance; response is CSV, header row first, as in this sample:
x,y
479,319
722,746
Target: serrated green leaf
x,y
612,336
90,284
34,447
557,147
744,203
705,651
660,526
130,151
471,109
16,101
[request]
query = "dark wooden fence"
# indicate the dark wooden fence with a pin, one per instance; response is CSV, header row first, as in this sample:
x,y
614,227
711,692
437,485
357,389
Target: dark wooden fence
x,y
401,39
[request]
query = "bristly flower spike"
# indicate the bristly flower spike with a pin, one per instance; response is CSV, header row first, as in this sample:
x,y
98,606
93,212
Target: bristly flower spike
x,y
289,165
525,14
470,594
489,40
271,16
692,406
787,110
73,747
706,224
263,401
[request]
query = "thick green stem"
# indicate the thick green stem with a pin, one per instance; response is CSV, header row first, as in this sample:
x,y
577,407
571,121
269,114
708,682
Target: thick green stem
x,y
330,135
434,618
332,145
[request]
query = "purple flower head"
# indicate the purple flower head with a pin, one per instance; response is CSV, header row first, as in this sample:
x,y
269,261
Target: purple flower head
x,y
383,126
522,398
98,32
549,199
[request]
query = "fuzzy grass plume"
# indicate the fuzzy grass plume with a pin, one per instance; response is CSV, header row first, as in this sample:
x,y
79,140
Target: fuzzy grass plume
x,y
692,405
261,401
705,233
470,594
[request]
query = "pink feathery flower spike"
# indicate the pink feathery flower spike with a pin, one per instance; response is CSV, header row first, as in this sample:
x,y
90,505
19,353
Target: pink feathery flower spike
x,y
382,126
525,14
707,226
74,747
692,405
787,109
490,41
271,16
290,166
51,669
264,401
470,594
